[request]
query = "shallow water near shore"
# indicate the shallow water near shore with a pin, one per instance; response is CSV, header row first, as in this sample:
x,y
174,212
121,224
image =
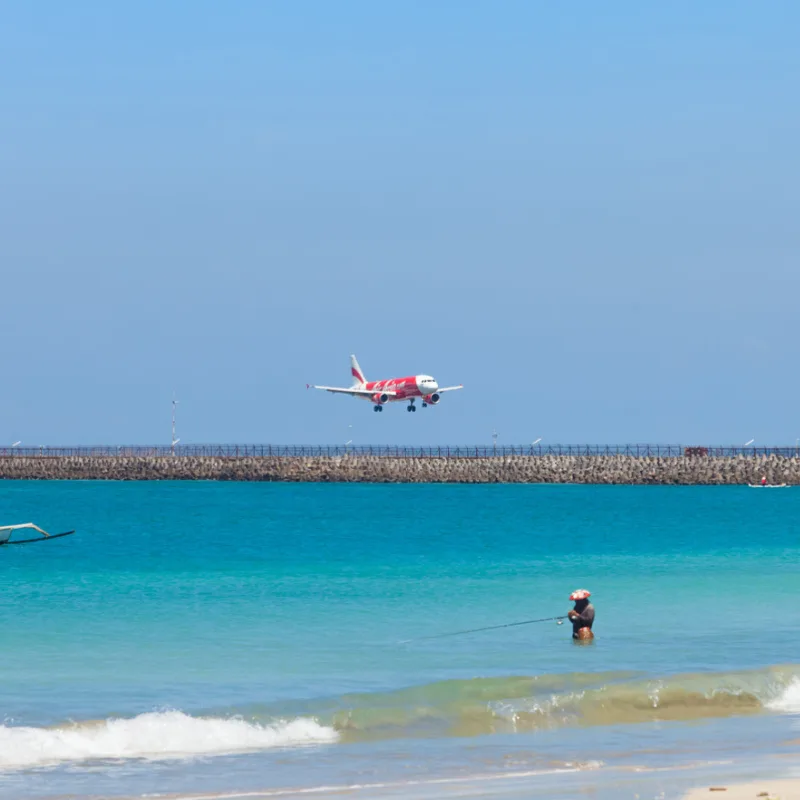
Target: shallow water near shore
x,y
205,639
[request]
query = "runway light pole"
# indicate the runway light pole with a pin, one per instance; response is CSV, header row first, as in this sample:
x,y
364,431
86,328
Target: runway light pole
x,y
174,440
349,441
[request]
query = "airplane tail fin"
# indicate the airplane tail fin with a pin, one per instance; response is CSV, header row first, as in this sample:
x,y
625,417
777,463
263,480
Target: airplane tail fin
x,y
358,376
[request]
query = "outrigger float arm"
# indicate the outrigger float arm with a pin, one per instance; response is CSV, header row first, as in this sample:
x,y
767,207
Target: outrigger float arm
x,y
45,535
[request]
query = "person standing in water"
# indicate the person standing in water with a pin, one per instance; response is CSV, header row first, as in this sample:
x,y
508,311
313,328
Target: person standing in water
x,y
582,615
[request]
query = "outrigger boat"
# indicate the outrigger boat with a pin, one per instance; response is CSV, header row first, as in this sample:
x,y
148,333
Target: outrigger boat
x,y
768,485
7,532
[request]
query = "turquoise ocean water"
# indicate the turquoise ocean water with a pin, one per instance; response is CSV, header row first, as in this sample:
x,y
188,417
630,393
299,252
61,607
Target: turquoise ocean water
x,y
241,640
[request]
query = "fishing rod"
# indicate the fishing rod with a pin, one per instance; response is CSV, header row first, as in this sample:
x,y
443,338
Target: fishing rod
x,y
487,628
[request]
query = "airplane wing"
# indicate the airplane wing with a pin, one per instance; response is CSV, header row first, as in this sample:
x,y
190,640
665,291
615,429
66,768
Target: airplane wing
x,y
449,388
353,392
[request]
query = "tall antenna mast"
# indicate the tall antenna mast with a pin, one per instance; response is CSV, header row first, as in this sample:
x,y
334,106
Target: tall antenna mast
x,y
174,440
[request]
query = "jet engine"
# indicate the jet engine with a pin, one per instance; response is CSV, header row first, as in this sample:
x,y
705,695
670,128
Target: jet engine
x,y
380,398
432,399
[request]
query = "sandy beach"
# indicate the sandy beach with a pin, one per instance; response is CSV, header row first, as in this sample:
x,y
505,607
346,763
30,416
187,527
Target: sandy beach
x,y
785,789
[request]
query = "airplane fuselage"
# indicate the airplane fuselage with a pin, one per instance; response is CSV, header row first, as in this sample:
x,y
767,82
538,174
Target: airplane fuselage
x,y
414,386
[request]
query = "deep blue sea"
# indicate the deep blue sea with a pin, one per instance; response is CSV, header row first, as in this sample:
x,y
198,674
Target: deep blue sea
x,y
231,640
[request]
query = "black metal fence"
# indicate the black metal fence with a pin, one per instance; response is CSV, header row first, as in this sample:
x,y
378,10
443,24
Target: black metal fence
x,y
394,451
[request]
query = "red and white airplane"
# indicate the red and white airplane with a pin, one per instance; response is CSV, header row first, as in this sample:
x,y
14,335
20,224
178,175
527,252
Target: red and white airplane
x,y
393,390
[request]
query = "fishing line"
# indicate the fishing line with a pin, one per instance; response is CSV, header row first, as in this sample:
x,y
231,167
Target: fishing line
x,y
487,628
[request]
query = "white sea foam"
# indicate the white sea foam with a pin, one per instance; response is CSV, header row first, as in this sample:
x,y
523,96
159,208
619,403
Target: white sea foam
x,y
789,699
157,735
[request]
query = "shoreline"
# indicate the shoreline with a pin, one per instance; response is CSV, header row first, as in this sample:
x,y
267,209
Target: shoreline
x,y
548,469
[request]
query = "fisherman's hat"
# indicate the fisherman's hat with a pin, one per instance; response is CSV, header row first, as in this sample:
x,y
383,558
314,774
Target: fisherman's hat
x,y
580,594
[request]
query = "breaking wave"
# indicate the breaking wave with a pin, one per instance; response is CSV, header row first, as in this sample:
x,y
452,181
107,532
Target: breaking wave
x,y
520,704
475,707
788,702
156,735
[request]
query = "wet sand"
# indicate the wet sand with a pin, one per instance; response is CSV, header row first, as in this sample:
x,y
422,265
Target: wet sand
x,y
785,789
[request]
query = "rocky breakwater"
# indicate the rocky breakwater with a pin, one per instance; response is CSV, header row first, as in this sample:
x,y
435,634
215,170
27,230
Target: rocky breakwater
x,y
683,470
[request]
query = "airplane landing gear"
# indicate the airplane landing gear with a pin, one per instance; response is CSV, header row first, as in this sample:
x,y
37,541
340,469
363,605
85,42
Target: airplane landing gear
x,y
377,408
424,405
411,406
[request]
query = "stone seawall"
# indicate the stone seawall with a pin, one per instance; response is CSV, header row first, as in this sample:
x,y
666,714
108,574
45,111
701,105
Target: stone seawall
x,y
369,469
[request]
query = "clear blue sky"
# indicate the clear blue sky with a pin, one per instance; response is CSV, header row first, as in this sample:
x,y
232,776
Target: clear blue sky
x,y
585,212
